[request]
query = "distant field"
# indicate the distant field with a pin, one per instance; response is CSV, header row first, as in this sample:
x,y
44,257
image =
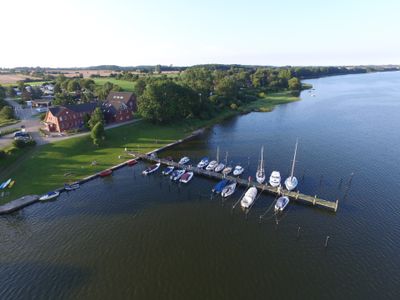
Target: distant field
x,y
124,84
8,79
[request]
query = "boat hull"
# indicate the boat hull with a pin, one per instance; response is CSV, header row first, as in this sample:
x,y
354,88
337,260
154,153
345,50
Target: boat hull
x,y
49,196
228,190
249,197
291,183
281,203
186,179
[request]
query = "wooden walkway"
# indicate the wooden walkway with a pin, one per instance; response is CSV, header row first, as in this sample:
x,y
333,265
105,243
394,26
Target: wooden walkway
x,y
296,196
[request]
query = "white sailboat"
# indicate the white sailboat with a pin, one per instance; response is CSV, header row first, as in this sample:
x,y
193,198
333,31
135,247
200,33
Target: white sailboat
x,y
214,163
291,182
260,175
220,165
275,179
227,168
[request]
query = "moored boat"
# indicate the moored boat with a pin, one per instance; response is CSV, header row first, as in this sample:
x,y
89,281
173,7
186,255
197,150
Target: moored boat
x,y
229,190
211,166
249,197
281,203
11,184
260,175
219,167
177,174
49,195
203,163
275,179
151,169
5,183
220,186
71,187
227,170
184,160
132,162
168,170
291,182
105,173
238,170
185,178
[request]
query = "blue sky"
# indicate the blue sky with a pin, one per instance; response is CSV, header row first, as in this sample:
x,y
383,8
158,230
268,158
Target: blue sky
x,y
76,33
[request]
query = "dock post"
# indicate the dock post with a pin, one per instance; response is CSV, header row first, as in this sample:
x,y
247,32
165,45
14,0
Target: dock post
x,y
315,198
297,196
326,241
336,206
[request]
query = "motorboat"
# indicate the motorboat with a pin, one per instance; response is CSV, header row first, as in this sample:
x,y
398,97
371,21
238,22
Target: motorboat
x,y
151,169
132,162
184,160
71,187
185,178
49,195
203,163
229,189
260,175
105,173
168,170
275,179
5,183
238,170
177,174
220,186
219,167
212,165
249,197
227,170
291,182
281,203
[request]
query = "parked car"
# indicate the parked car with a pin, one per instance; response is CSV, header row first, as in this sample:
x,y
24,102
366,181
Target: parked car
x,y
19,135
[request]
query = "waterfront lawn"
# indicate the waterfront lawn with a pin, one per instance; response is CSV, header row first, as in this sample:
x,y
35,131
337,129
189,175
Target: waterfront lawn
x,y
47,167
7,122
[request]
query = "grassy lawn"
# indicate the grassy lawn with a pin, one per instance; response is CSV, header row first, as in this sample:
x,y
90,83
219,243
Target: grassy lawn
x,y
43,168
7,122
124,84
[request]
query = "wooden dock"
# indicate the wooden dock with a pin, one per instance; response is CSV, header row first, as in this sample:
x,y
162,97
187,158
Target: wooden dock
x,y
296,196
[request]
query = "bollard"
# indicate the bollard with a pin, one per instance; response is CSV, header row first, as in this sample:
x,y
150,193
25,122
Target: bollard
x,y
298,232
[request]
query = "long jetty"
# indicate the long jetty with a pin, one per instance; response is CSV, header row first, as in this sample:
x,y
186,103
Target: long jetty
x,y
296,196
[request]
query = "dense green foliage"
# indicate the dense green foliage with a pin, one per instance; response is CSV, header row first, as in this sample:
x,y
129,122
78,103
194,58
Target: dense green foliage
x,y
96,117
97,134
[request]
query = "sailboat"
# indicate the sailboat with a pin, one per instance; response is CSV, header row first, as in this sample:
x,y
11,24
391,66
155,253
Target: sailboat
x,y
227,168
260,175
291,182
220,165
214,163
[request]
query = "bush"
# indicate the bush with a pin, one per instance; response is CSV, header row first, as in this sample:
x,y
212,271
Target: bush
x,y
234,106
2,154
20,143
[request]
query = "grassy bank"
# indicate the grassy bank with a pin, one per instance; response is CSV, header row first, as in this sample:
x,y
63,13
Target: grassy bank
x,y
7,122
124,84
49,164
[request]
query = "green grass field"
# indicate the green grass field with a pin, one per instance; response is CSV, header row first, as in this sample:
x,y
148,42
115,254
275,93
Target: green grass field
x,y
127,86
42,169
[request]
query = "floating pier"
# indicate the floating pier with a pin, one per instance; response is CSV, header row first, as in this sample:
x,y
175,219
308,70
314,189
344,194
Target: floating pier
x,y
296,196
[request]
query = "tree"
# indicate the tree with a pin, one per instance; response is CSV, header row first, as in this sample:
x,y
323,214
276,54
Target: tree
x,y
97,134
2,92
36,93
7,113
86,119
10,92
227,87
164,101
73,85
199,79
294,84
96,117
140,86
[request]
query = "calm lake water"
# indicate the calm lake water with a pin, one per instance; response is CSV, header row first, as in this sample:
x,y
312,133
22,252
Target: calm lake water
x,y
135,237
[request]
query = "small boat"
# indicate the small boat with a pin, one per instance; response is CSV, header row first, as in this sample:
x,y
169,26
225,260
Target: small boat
x,y
227,170
185,178
105,173
203,163
228,190
260,175
238,170
291,182
168,170
281,203
219,167
184,160
220,186
5,183
275,179
49,195
249,197
177,174
71,187
212,165
11,184
151,169
132,162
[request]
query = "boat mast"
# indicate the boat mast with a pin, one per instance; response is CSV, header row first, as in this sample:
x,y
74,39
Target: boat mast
x,y
218,154
226,158
294,159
